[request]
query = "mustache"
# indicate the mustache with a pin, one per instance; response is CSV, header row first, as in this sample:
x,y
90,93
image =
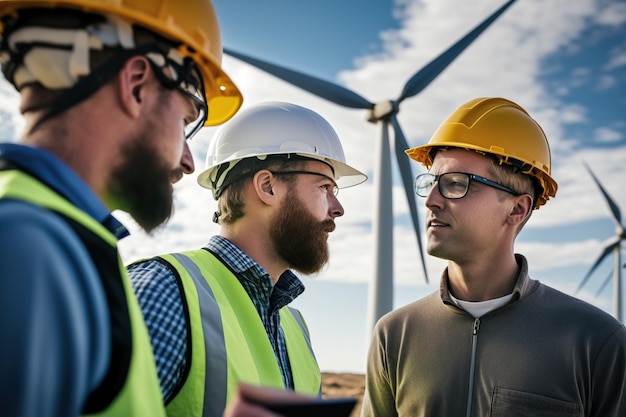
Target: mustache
x,y
176,175
327,226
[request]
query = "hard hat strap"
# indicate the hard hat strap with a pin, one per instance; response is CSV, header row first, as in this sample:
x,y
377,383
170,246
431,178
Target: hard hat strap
x,y
35,50
232,171
183,75
89,84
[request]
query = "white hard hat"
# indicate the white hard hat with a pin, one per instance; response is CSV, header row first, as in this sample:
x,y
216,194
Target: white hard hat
x,y
275,128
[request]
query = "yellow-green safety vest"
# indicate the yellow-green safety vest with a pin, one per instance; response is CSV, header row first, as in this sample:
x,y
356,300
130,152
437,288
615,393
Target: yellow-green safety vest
x,y
131,387
229,343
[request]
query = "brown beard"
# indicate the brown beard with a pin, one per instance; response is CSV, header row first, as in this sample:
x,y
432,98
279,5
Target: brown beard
x,y
300,239
143,184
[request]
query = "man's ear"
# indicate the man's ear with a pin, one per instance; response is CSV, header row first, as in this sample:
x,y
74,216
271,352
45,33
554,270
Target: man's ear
x,y
522,209
263,184
133,79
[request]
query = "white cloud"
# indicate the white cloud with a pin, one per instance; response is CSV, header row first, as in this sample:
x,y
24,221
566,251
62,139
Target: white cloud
x,y
573,113
614,14
607,82
607,135
618,58
505,61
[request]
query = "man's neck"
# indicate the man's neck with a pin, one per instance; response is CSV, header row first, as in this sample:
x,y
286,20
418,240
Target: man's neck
x,y
259,249
481,282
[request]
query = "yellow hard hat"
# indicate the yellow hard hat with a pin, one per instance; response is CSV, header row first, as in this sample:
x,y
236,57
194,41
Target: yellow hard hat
x,y
192,23
499,127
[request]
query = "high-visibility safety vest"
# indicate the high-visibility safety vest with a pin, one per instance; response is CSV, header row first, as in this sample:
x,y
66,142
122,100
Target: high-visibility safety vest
x,y
131,385
229,343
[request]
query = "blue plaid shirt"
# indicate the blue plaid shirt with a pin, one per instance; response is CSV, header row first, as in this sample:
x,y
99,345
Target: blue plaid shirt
x,y
161,303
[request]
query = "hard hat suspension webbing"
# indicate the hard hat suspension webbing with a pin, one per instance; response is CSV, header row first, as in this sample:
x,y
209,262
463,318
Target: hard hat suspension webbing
x,y
89,84
234,171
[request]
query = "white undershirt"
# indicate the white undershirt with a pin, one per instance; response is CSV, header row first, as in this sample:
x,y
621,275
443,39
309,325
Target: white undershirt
x,y
480,308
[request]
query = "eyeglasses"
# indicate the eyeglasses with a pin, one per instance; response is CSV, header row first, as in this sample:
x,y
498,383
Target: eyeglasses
x,y
453,185
187,79
335,188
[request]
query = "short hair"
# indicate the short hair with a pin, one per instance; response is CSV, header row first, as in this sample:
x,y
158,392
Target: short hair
x,y
512,177
231,202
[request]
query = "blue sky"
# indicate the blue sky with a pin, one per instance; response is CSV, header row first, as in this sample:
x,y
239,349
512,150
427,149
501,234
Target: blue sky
x,y
564,61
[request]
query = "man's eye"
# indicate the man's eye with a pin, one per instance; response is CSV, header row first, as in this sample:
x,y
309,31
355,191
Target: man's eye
x,y
331,188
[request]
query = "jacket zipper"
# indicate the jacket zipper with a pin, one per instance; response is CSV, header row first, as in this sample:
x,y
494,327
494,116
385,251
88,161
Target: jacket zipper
x,y
475,328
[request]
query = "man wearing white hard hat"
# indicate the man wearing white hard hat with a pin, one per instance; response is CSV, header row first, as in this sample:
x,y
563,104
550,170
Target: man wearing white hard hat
x,y
219,315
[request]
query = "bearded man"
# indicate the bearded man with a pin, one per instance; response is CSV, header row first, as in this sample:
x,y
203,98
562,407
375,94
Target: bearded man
x,y
110,92
219,316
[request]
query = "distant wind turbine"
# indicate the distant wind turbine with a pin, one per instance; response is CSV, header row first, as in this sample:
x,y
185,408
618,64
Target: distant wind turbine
x,y
383,114
614,244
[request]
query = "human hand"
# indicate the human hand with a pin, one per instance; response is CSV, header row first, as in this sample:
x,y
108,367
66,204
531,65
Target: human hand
x,y
251,401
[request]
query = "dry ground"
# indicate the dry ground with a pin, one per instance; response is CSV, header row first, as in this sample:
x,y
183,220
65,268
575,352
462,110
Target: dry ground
x,y
344,385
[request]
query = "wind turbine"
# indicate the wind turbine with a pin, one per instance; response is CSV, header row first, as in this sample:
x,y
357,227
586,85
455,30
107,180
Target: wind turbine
x,y
614,244
384,115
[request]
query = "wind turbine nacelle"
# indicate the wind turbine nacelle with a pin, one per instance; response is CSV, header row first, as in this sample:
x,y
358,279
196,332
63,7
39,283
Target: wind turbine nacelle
x,y
381,111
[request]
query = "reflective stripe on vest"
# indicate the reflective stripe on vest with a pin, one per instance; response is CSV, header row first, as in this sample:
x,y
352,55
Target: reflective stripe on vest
x,y
140,393
229,343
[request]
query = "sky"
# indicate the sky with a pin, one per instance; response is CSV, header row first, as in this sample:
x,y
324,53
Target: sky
x,y
563,61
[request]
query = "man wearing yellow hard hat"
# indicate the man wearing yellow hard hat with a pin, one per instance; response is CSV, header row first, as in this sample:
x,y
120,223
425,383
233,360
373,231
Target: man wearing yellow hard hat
x,y
491,341
110,93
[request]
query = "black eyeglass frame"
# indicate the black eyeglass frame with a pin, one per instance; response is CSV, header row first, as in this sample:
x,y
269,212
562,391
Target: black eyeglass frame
x,y
470,178
335,190
187,78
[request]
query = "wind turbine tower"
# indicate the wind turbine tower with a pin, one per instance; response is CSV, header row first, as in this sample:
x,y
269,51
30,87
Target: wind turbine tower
x,y
384,114
614,245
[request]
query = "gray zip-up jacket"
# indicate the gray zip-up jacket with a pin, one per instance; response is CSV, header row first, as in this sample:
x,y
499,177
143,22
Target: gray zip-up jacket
x,y
543,354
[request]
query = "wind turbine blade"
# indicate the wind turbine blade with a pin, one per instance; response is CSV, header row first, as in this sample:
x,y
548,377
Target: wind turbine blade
x,y
607,249
426,75
606,281
329,91
617,216
400,145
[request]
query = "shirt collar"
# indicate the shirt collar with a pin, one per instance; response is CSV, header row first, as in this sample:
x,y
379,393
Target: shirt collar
x,y
523,285
48,169
240,262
